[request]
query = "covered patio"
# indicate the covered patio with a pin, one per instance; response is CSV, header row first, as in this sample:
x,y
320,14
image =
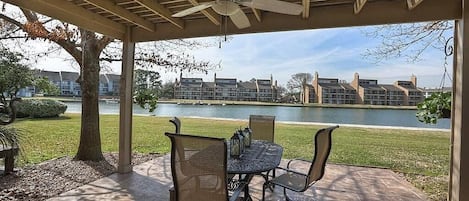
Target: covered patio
x,y
135,21
152,180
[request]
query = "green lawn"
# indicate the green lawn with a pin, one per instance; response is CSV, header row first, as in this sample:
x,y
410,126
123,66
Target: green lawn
x,y
422,156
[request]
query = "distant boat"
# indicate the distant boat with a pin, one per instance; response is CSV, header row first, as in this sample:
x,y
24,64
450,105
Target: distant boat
x,y
111,101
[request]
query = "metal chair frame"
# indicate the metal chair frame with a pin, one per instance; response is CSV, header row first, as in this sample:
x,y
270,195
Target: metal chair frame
x,y
317,164
174,150
177,124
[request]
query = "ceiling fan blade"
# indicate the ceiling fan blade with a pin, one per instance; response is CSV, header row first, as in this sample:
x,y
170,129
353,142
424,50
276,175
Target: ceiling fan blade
x,y
274,6
240,19
193,9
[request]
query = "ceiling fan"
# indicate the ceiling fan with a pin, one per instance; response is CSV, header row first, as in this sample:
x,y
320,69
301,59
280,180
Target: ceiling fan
x,y
231,9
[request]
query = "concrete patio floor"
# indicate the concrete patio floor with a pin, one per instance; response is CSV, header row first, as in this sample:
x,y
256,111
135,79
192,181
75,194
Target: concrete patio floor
x,y
152,180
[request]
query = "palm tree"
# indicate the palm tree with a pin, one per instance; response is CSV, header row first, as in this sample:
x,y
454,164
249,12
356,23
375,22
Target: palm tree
x,y
9,136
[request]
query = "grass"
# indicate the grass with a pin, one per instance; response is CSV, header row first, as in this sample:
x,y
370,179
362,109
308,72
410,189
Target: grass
x,y
422,156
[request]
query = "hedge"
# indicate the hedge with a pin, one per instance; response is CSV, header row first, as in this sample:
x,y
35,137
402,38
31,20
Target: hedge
x,y
39,108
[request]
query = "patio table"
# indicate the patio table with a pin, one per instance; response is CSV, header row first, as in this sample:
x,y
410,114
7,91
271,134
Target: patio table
x,y
261,156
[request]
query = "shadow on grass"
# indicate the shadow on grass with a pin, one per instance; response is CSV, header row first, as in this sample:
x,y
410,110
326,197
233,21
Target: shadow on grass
x,y
44,119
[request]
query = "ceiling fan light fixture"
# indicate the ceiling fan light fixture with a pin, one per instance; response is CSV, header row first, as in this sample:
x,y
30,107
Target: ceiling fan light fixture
x,y
226,8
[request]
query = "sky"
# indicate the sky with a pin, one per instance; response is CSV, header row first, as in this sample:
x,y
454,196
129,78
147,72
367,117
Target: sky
x,y
333,53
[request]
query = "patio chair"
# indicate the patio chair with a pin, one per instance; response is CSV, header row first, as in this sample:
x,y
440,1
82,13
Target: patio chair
x,y
177,124
263,127
199,169
300,182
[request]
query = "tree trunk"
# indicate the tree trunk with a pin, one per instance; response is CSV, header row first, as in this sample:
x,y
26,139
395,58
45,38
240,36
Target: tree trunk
x,y
90,139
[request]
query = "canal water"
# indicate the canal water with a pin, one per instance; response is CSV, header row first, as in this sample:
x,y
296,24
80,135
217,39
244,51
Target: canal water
x,y
379,117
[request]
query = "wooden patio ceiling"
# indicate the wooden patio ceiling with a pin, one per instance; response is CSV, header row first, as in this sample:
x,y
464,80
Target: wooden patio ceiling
x,y
151,19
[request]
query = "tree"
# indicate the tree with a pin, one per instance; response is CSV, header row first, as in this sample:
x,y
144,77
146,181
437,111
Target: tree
x,y
408,40
91,51
167,90
147,87
298,81
281,91
44,86
14,76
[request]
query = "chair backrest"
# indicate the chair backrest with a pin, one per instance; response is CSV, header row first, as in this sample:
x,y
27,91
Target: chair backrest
x,y
262,127
177,124
322,148
198,167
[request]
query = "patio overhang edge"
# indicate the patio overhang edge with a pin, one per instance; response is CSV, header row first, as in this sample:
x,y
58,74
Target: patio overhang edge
x,y
80,17
320,17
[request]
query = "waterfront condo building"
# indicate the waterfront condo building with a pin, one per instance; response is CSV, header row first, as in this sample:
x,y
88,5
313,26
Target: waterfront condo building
x,y
67,84
189,88
361,91
413,95
332,91
225,89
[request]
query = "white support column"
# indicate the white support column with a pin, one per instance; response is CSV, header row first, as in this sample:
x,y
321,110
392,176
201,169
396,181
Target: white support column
x,y
459,169
125,113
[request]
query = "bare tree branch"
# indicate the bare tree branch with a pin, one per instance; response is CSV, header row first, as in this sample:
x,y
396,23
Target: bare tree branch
x,y
407,40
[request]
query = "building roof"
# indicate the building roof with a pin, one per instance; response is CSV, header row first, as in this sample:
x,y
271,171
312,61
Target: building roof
x,y
330,85
113,76
192,85
409,87
390,87
208,84
69,75
52,76
225,85
247,85
347,86
372,87
328,79
189,79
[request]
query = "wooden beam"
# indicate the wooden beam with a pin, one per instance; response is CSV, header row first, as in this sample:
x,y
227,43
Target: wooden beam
x,y
212,16
70,13
123,13
459,162
161,11
377,12
411,4
306,4
258,14
358,5
126,102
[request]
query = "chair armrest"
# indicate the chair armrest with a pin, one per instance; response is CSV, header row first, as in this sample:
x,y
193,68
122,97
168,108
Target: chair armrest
x,y
293,171
237,191
297,159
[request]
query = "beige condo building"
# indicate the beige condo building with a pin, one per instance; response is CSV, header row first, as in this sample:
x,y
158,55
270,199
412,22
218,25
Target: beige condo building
x,y
361,91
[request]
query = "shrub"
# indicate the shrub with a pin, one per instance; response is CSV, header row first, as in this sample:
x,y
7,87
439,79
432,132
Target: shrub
x,y
437,106
40,108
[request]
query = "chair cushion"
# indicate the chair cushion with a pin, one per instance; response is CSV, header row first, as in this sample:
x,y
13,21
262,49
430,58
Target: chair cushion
x,y
292,181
